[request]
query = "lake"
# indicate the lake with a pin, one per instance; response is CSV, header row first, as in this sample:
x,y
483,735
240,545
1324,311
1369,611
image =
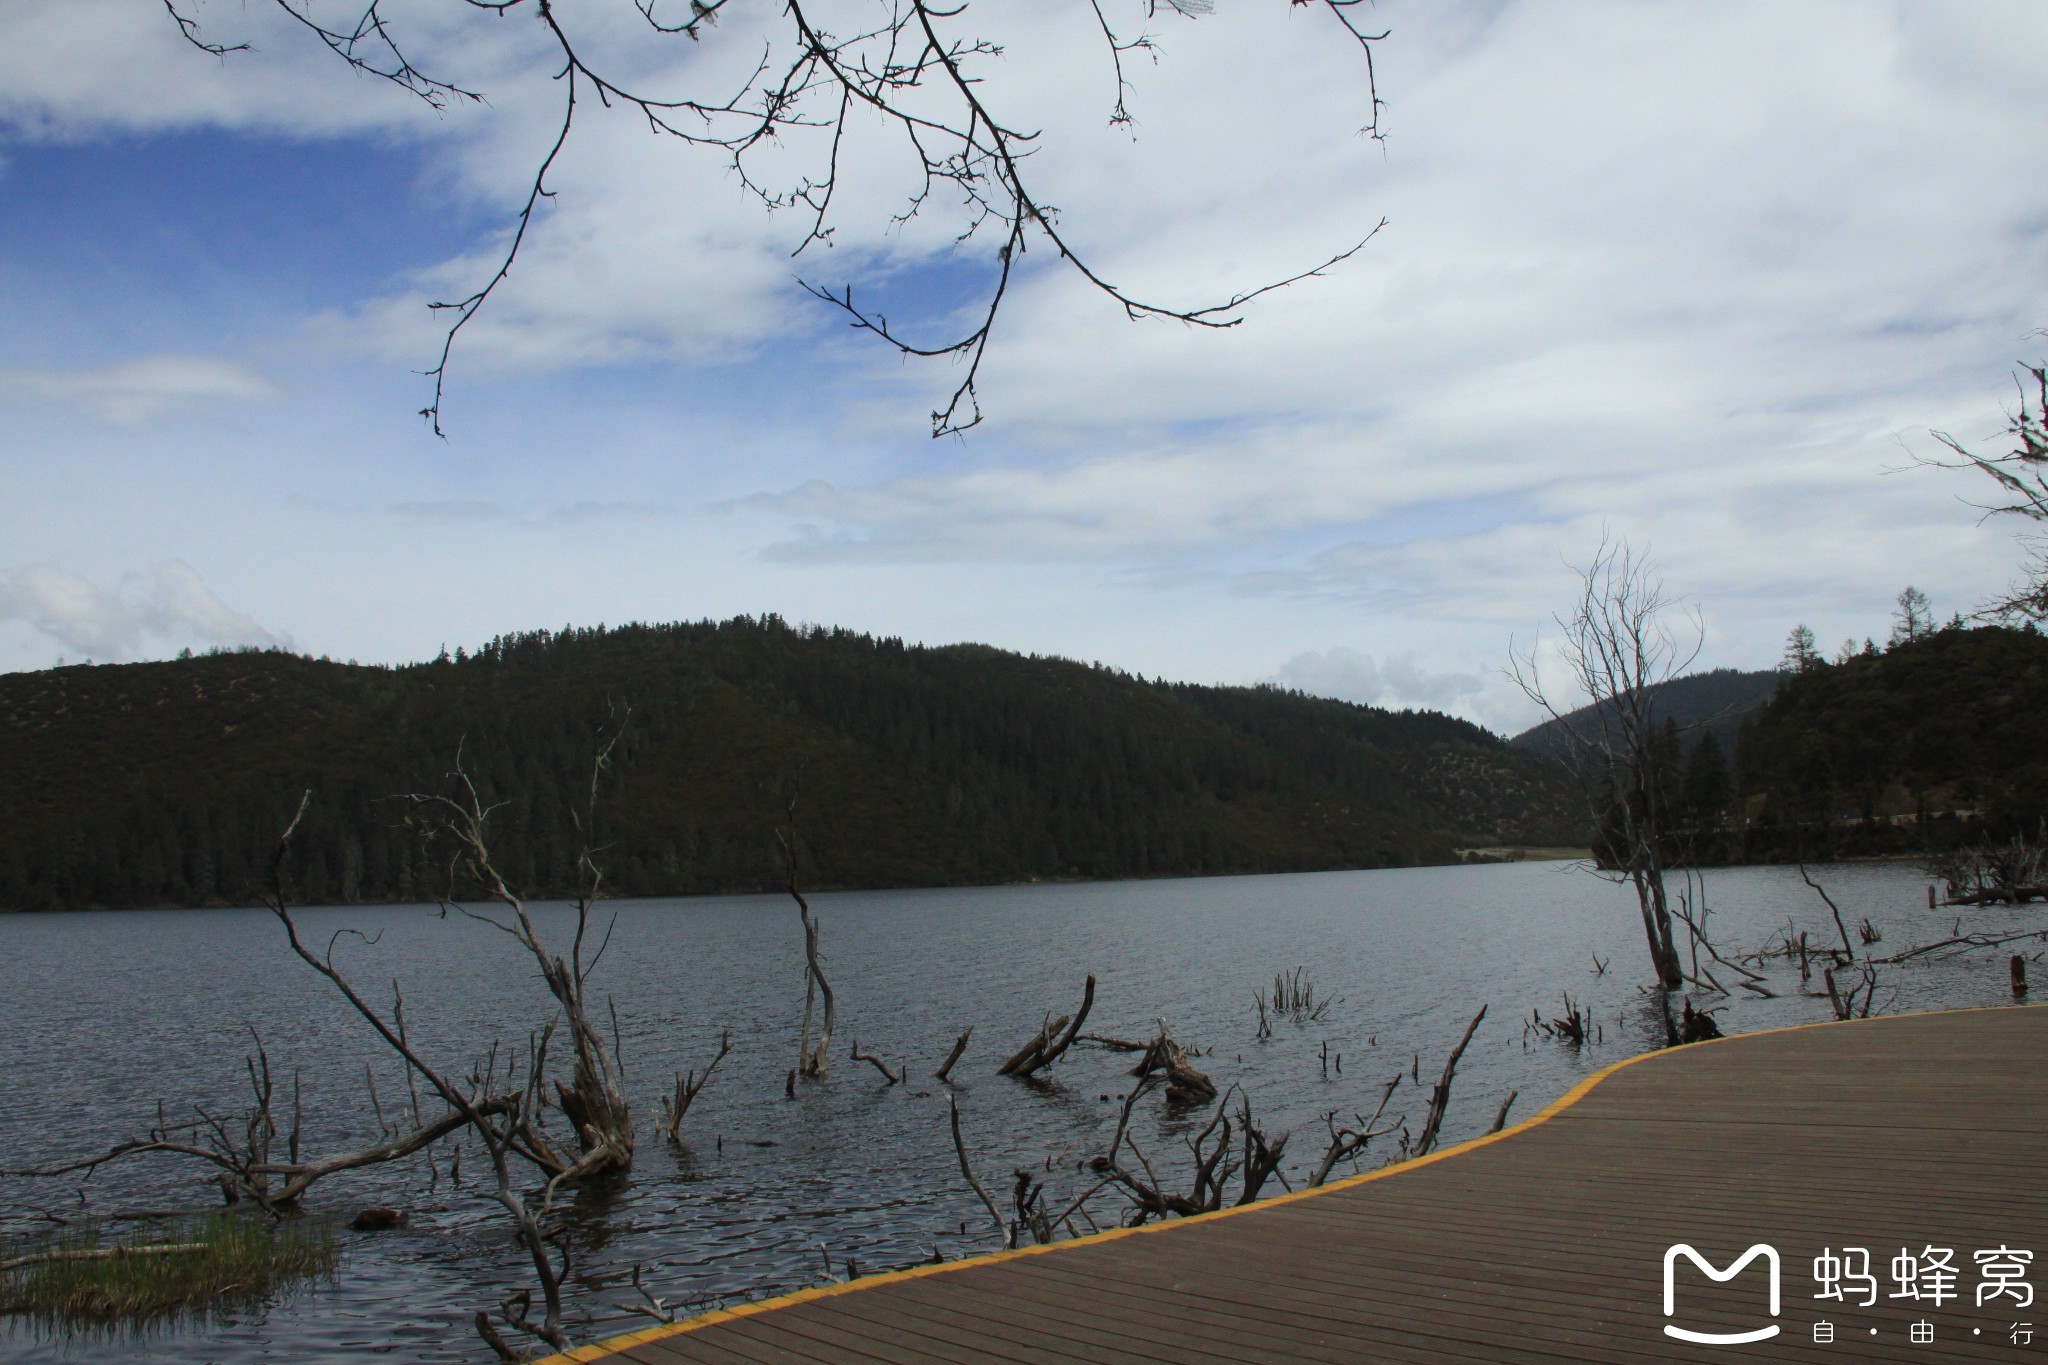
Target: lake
x,y
108,1013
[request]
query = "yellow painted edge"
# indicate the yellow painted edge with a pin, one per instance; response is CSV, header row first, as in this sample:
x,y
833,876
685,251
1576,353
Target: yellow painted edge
x,y
599,1350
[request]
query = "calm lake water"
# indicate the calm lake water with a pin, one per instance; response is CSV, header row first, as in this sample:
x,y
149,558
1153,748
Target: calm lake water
x,y
107,1013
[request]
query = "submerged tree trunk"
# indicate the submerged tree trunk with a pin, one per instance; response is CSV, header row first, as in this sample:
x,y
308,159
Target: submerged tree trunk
x,y
1649,883
810,1060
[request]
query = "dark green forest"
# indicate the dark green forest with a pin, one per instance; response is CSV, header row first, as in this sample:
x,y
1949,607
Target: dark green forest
x,y
168,783
1939,738
1713,702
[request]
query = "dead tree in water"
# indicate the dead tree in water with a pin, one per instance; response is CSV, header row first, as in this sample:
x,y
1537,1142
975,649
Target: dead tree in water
x,y
1847,948
1184,1084
1440,1095
687,1086
810,1060
1003,1225
857,1055
594,1099
1697,1026
959,1046
1576,1027
499,1103
1254,1160
505,1122
1053,1038
244,1152
1845,1004
1619,652
1347,1143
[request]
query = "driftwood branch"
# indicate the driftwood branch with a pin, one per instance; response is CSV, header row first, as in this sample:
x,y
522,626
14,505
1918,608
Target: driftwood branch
x,y
1111,1044
1440,1096
1833,909
1845,1003
967,1170
1052,1040
890,1076
959,1046
1262,1155
1184,1084
1347,1143
1963,943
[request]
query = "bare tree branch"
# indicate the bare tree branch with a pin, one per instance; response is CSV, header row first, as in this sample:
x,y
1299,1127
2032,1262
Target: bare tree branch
x,y
912,70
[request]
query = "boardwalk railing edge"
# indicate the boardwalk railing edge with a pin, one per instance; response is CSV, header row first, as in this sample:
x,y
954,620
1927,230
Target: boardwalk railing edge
x,y
611,1345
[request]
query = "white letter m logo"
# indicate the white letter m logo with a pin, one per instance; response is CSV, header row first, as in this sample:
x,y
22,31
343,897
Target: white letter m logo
x,y
1671,1255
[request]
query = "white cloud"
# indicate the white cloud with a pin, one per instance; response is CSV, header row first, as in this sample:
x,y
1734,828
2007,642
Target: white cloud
x,y
173,607
1348,675
134,393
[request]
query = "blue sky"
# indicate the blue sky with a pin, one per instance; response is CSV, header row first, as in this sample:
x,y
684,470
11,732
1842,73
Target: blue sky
x,y
1696,276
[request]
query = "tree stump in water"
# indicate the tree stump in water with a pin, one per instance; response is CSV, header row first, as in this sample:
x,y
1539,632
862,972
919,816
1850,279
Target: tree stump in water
x,y
1184,1084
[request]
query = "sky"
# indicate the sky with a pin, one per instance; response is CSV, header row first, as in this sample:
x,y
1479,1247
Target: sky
x,y
1705,278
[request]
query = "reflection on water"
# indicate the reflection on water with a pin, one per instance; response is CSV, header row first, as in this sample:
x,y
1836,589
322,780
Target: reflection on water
x,y
107,1013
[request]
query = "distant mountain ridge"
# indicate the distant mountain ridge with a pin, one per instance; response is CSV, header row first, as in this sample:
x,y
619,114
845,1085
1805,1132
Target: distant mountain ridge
x,y
1715,702
168,783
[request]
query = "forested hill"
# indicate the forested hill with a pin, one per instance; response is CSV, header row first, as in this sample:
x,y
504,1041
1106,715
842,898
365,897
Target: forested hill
x,y
168,783
1713,702
1937,738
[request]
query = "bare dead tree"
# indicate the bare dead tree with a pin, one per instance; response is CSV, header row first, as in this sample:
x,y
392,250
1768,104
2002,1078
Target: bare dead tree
x,y
2021,476
674,1107
1696,931
244,1153
1845,1003
827,73
1262,1154
1619,650
593,1100
1847,948
505,1133
2014,871
1213,1161
810,1060
500,1104
1346,1143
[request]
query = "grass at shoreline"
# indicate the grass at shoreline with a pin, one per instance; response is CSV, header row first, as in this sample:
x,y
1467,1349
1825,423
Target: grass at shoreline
x,y
181,1270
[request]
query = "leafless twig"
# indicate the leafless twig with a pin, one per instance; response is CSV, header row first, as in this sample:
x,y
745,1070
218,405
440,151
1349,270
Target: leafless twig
x,y
914,70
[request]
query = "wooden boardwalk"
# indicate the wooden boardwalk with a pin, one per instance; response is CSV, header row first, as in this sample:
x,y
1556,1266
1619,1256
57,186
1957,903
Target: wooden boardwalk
x,y
1543,1243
